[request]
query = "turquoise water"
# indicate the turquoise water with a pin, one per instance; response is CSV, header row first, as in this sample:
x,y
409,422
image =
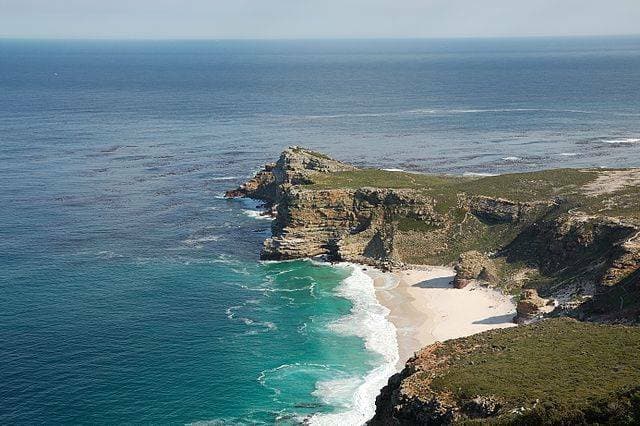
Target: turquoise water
x,y
176,340
131,291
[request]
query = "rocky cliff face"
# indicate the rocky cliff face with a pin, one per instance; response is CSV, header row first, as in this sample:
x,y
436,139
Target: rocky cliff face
x,y
546,234
387,220
581,256
295,166
553,372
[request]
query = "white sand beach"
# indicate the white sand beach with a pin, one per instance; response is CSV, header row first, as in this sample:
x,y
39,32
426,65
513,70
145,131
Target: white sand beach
x,y
425,308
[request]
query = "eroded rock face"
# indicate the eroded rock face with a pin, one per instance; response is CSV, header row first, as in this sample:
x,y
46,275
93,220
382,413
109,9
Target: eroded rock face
x,y
592,252
499,210
309,223
387,227
343,224
294,167
473,265
407,400
625,261
531,307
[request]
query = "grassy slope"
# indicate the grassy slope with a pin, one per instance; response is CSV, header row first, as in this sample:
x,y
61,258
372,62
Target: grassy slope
x,y
518,187
441,242
560,363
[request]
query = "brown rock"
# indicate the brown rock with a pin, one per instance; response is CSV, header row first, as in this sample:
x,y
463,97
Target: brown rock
x,y
473,265
531,307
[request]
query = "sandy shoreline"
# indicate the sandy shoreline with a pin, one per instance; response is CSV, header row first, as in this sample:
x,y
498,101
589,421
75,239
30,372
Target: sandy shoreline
x,y
425,308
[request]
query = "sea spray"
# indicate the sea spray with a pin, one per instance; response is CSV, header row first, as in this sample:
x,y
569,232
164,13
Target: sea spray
x,y
369,320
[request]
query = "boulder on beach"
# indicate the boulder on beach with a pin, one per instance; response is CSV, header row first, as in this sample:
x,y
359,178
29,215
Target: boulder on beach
x,y
531,307
473,265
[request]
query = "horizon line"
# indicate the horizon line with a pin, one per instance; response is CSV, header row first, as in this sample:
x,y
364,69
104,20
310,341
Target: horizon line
x,y
337,38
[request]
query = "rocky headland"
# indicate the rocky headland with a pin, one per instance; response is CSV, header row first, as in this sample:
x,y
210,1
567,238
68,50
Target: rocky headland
x,y
565,242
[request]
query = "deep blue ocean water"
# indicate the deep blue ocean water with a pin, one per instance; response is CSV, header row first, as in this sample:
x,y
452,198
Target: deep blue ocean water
x,y
130,291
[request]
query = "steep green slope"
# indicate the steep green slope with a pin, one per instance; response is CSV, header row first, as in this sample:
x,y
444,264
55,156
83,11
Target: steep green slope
x,y
554,372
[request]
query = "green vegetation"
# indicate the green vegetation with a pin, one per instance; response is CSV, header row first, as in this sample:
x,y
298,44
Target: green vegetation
x,y
410,224
382,179
517,187
520,187
316,154
565,368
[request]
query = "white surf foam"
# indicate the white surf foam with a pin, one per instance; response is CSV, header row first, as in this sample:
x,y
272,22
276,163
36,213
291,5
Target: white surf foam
x,y
368,319
478,174
621,141
224,178
393,170
204,239
337,392
429,111
568,154
512,158
256,214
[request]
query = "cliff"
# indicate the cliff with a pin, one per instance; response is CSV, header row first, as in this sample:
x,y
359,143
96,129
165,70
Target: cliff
x,y
558,371
567,241
571,234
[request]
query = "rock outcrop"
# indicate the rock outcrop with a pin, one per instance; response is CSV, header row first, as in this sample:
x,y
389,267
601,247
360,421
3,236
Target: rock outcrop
x,y
500,210
324,207
295,166
521,375
531,307
473,265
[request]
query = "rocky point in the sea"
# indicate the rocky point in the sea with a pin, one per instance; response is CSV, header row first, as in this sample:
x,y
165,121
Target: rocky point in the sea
x,y
572,234
567,241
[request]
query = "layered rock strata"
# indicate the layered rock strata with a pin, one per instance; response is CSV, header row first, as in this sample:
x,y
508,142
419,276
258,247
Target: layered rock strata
x,y
473,265
324,207
575,246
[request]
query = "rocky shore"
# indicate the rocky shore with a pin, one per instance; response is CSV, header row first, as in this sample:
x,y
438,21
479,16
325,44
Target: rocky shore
x,y
570,234
564,242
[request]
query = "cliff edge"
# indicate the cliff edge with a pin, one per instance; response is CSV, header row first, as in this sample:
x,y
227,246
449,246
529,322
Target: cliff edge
x,y
567,242
571,234
559,371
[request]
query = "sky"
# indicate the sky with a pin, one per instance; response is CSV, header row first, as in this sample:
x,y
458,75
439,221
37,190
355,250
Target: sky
x,y
258,19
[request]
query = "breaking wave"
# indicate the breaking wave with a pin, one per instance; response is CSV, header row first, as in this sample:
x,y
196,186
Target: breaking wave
x,y
368,320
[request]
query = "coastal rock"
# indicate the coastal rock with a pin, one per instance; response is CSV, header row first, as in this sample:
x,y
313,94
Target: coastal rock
x,y
324,207
464,381
531,307
343,224
295,166
262,186
473,265
405,401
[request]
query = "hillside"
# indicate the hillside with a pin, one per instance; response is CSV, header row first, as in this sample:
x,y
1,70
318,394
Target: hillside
x,y
557,371
571,234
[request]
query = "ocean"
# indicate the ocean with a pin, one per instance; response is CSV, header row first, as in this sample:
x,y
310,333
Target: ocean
x,y
131,290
